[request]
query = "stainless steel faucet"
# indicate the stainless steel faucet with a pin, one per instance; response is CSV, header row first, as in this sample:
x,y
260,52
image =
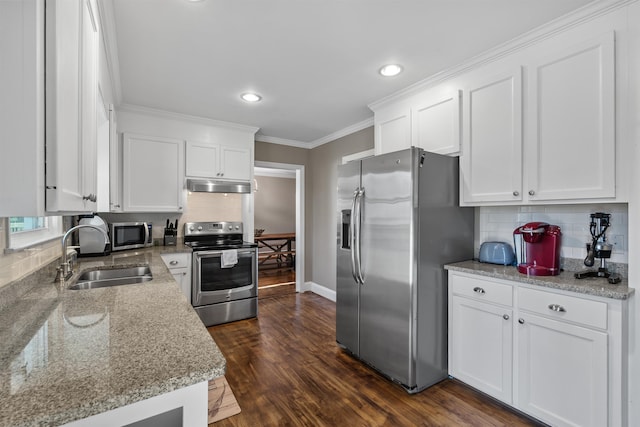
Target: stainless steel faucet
x,y
64,270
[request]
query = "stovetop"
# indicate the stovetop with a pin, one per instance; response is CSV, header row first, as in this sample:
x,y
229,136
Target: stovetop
x,y
215,235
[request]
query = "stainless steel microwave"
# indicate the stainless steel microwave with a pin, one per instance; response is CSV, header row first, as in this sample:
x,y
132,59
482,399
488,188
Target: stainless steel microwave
x,y
130,235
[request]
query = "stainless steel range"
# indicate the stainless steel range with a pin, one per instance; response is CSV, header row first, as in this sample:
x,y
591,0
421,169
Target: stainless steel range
x,y
224,280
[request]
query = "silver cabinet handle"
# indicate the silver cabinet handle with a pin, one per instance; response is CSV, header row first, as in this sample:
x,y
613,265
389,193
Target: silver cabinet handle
x,y
557,307
174,262
531,192
505,317
91,197
521,321
516,193
478,290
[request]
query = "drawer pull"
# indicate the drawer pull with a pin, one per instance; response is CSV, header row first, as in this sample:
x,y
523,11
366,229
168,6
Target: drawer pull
x,y
174,262
478,290
557,307
505,317
521,321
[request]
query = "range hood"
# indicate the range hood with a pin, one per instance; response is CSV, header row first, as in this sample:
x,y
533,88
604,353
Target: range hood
x,y
213,186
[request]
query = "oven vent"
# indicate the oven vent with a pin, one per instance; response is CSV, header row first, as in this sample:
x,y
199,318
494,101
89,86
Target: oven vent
x,y
213,186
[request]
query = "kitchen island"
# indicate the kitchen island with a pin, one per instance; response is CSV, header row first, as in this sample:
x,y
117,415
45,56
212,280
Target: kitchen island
x,y
129,352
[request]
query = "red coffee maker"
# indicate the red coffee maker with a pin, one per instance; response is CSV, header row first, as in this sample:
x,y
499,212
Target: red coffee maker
x,y
537,246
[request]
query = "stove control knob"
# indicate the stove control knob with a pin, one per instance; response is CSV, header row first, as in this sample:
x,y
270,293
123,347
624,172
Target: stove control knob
x,y
191,228
237,227
231,227
199,228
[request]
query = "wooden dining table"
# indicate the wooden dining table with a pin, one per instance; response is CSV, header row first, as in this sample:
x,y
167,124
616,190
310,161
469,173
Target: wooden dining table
x,y
277,247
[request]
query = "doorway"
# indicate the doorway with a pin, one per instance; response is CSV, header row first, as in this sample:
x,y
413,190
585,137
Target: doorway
x,y
279,224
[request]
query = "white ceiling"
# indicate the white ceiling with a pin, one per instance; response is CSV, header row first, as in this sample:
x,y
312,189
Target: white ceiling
x,y
315,62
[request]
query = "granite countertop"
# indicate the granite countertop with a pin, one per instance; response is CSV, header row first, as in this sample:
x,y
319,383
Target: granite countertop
x,y
564,281
67,355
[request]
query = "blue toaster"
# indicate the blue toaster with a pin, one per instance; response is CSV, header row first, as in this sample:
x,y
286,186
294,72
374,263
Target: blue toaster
x,y
496,253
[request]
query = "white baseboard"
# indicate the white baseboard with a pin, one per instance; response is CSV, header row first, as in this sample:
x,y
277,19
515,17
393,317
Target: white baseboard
x,y
321,290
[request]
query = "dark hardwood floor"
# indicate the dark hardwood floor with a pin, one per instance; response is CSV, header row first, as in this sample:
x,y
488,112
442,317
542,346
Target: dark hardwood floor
x,y
276,281
286,369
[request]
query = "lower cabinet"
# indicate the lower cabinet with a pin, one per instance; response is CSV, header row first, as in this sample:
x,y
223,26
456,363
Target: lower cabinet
x,y
557,357
179,265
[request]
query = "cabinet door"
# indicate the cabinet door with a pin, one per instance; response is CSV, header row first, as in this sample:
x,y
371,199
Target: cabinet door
x,y
392,130
115,164
561,372
235,163
572,116
203,160
71,124
491,158
153,174
481,346
436,124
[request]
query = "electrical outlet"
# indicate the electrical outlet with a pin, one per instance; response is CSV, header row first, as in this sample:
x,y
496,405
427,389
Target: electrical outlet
x,y
618,241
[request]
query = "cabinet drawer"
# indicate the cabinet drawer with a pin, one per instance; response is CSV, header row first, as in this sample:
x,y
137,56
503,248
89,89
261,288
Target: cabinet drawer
x,y
482,290
573,309
178,260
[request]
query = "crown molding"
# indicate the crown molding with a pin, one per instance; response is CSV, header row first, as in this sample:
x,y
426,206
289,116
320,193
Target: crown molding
x,y
318,142
579,16
274,173
138,109
108,25
342,132
282,141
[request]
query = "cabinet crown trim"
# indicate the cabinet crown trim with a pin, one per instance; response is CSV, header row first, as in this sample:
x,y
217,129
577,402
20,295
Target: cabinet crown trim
x,y
586,13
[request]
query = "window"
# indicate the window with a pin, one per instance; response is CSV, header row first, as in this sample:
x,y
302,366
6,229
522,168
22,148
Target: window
x,y
28,231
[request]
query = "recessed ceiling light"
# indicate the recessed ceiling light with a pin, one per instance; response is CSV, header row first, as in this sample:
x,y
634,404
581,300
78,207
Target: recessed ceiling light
x,y
391,70
251,97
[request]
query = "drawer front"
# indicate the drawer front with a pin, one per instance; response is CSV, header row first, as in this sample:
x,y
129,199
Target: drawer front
x,y
177,260
481,290
579,310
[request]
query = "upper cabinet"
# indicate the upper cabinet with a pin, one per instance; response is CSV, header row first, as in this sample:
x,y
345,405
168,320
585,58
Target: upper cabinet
x,y
566,153
208,160
571,141
152,174
491,165
60,127
430,120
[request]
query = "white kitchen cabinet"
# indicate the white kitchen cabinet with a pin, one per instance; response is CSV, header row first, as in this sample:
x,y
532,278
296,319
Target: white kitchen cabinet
x,y
180,266
562,372
568,150
491,160
153,174
61,126
207,160
71,119
392,129
436,123
559,357
481,335
571,146
115,164
430,120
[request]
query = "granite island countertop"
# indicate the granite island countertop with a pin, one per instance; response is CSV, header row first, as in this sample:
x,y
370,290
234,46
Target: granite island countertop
x,y
564,281
67,355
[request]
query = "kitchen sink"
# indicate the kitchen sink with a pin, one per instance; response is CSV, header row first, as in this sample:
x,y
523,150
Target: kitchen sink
x,y
112,277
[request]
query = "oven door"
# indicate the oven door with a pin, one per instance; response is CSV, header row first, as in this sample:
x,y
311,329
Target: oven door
x,y
213,284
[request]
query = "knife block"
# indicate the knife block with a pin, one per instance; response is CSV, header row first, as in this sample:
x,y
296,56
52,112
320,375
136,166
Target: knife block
x,y
170,236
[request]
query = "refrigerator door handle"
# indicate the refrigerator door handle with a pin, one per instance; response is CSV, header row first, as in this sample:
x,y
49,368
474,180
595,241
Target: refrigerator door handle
x,y
352,235
358,239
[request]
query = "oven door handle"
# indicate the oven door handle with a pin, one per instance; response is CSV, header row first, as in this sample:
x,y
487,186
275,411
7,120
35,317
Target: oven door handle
x,y
218,252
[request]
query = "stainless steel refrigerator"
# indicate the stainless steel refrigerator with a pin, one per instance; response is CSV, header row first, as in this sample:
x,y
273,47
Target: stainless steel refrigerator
x,y
398,224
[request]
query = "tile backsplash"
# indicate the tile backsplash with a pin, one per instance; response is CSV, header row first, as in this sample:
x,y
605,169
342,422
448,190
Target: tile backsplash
x,y
497,224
